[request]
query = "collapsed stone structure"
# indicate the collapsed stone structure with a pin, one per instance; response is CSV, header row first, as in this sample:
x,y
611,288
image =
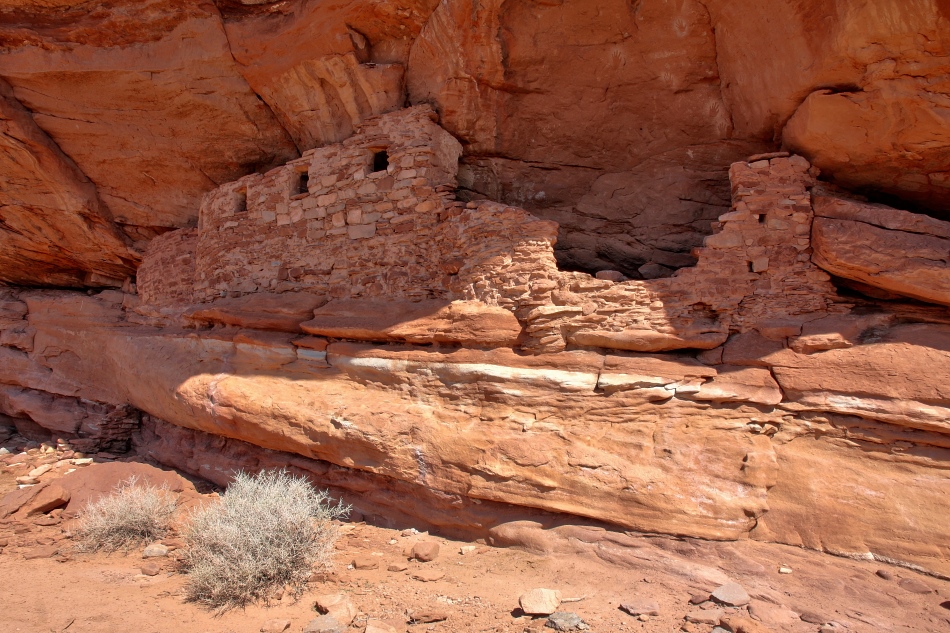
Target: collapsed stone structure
x,y
346,315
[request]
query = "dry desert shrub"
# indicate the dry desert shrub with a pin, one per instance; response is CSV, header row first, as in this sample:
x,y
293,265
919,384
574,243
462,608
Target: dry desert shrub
x,y
133,514
266,532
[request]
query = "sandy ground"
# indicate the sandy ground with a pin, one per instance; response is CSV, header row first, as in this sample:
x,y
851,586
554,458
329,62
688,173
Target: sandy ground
x,y
82,593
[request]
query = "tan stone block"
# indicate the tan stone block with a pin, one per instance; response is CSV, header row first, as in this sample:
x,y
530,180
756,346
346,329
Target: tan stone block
x,y
361,231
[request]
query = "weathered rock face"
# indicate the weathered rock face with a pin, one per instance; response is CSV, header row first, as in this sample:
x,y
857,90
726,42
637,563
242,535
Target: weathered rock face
x,y
904,253
53,228
414,344
152,123
616,120
498,387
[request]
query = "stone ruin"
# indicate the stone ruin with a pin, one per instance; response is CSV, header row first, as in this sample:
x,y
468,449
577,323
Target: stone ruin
x,y
347,316
333,226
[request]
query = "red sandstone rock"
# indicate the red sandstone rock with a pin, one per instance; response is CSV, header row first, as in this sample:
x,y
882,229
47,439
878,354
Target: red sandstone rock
x,y
905,157
281,312
891,379
55,230
49,498
471,324
87,485
649,340
152,122
896,251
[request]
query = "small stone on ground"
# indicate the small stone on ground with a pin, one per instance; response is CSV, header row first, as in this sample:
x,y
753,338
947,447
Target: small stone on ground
x,y
324,624
155,550
425,551
566,621
640,606
540,601
275,626
428,575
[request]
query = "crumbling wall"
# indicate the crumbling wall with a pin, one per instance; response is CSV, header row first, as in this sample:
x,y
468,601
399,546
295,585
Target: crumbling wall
x,y
167,274
335,224
757,267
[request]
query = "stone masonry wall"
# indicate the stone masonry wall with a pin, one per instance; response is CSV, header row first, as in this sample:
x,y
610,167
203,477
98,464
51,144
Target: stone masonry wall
x,y
353,232
756,268
167,274
397,234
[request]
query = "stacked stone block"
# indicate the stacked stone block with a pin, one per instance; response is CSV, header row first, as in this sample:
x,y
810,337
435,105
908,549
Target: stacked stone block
x,y
338,223
333,223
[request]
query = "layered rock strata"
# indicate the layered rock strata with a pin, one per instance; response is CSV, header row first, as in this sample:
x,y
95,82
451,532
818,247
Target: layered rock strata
x,y
450,370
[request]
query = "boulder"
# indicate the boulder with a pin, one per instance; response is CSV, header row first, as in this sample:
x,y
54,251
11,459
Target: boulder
x,y
48,498
901,254
89,484
13,501
155,550
905,157
425,551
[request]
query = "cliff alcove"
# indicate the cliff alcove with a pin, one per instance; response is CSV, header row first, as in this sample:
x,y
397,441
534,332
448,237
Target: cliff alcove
x,y
676,268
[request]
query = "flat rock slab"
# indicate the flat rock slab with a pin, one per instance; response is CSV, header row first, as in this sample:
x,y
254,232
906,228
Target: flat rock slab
x,y
897,251
649,340
468,323
640,606
428,575
915,586
731,594
705,616
283,312
46,551
324,624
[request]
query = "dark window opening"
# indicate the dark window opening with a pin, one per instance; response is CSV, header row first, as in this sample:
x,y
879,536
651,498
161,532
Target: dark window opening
x,y
380,161
761,218
240,202
303,183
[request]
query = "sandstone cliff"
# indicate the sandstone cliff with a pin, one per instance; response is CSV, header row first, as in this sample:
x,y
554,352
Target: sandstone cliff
x,y
359,239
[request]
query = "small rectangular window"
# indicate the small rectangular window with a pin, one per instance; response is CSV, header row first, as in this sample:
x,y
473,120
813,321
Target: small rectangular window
x,y
303,183
380,161
240,202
